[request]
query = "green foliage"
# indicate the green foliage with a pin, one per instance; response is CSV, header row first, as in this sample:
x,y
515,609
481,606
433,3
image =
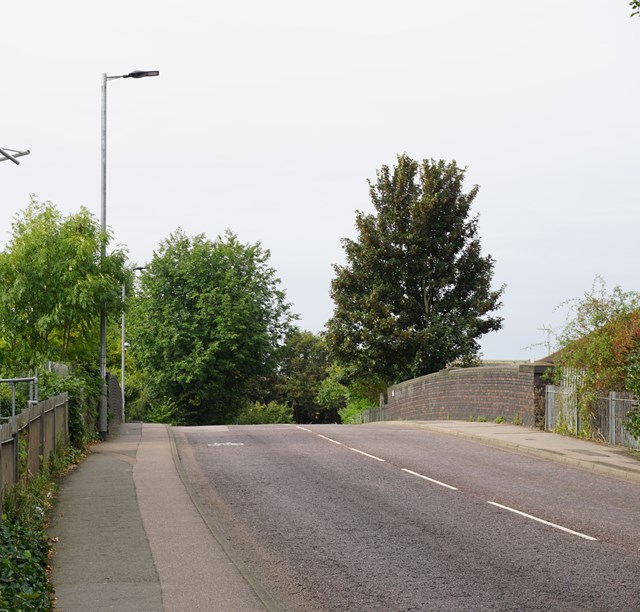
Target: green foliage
x,y
209,319
24,547
354,407
257,413
415,292
635,6
333,391
303,363
598,346
164,410
632,422
53,284
84,389
482,419
517,420
24,554
499,419
349,397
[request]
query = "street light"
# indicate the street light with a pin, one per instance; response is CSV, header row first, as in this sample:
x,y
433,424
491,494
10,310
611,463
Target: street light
x,y
11,155
136,74
124,345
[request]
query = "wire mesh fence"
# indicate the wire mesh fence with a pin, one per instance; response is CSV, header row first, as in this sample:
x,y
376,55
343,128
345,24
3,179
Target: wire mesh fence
x,y
605,422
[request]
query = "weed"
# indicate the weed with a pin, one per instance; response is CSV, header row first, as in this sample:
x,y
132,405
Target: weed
x,y
482,419
517,420
499,419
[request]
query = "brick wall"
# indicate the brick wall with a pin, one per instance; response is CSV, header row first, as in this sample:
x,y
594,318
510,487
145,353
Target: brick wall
x,y
508,391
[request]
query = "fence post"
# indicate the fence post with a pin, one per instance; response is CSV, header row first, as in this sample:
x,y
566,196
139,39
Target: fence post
x,y
549,405
612,418
15,441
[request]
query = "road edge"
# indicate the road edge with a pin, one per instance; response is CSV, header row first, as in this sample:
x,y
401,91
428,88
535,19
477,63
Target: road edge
x,y
256,587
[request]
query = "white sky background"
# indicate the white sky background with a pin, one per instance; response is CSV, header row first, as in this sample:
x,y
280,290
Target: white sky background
x,y
267,118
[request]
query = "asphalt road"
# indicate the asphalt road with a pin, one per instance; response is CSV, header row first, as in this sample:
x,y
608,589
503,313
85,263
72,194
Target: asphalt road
x,y
394,518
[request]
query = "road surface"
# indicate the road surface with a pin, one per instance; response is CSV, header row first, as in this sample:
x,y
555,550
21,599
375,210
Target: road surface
x,y
394,518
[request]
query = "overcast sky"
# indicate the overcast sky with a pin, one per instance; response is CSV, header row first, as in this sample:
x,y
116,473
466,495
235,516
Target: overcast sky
x,y
268,117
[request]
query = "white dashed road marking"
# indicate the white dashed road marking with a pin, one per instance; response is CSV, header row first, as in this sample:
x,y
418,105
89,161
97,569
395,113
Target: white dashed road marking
x,y
539,520
442,484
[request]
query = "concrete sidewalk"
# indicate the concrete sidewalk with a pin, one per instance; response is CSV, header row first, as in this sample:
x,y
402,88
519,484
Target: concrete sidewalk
x,y
129,537
603,459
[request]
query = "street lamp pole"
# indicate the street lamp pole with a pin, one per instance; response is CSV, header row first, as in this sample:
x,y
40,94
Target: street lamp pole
x,y
136,74
124,345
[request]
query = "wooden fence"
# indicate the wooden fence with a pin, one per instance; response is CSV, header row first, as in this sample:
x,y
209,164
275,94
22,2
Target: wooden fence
x,y
28,439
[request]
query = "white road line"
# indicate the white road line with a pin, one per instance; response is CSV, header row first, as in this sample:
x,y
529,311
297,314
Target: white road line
x,y
367,454
539,520
304,428
442,484
329,439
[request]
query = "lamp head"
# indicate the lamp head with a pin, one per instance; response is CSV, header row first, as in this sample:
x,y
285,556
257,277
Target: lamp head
x,y
139,74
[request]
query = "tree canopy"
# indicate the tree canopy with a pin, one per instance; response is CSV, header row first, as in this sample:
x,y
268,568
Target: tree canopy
x,y
415,292
53,284
208,320
304,361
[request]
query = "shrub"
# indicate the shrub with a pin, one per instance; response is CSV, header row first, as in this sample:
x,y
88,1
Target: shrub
x,y
162,411
257,413
354,408
84,389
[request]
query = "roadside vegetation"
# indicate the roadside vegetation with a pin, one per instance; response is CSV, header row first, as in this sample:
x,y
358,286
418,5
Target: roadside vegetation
x,y
24,547
600,350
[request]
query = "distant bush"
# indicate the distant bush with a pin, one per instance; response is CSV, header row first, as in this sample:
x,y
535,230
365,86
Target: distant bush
x,y
354,408
162,411
84,391
257,413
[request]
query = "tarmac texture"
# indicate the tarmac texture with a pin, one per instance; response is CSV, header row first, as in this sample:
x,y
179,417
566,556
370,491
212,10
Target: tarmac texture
x,y
129,535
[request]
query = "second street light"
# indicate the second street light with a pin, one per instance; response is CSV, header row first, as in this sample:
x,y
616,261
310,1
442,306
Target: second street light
x,y
124,345
136,74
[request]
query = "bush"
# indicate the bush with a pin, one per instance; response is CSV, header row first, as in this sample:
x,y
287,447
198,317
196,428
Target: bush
x,y
257,413
354,408
84,391
162,411
24,555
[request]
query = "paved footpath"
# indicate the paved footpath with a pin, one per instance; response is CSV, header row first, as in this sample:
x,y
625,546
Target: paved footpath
x,y
131,538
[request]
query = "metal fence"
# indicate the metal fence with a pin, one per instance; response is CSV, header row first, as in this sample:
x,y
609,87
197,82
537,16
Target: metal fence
x,y
28,439
606,422
372,415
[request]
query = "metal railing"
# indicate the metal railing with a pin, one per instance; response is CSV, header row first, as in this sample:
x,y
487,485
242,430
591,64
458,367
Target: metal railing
x,y
605,424
32,381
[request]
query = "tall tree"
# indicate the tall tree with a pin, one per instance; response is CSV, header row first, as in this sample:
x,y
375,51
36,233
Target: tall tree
x,y
209,319
304,362
415,292
52,286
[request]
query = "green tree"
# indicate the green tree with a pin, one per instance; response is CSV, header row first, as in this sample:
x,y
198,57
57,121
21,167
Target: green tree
x,y
635,6
208,320
53,284
415,292
304,360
